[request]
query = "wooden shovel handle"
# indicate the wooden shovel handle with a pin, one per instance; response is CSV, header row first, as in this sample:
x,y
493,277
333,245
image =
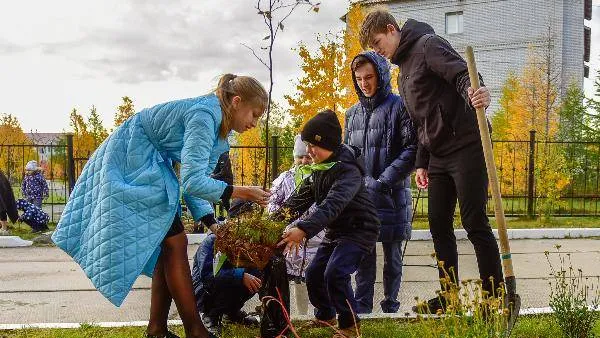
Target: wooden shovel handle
x,y
488,153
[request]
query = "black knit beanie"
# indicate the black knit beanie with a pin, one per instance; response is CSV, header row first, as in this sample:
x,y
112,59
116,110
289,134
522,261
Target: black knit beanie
x,y
323,130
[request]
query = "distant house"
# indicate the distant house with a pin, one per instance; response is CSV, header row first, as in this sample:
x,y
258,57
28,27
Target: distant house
x,y
46,145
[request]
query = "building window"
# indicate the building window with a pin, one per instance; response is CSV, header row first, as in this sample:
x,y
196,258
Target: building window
x,y
587,42
454,22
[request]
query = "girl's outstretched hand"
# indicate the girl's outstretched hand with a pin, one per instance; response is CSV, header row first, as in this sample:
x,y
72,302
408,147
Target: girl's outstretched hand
x,y
252,193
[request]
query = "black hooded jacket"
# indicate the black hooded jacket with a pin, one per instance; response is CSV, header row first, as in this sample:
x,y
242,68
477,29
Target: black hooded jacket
x,y
343,205
433,81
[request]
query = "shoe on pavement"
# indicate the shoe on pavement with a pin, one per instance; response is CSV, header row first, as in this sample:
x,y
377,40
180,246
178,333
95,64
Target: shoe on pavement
x,y
431,306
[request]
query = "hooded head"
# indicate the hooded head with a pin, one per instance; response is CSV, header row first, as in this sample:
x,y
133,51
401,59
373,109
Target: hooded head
x,y
371,77
32,166
300,153
299,147
411,31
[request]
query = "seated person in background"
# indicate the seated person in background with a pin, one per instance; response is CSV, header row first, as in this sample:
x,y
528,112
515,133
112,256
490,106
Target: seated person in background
x,y
221,296
33,216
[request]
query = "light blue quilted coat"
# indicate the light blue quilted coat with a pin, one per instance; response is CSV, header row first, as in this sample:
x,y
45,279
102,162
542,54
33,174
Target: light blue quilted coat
x,y
128,194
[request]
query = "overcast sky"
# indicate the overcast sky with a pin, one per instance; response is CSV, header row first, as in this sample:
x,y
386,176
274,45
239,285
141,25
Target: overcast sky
x,y
64,54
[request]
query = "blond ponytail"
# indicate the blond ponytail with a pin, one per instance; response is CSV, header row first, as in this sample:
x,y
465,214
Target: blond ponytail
x,y
247,88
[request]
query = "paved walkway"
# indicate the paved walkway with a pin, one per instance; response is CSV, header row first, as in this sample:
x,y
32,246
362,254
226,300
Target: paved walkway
x,y
43,285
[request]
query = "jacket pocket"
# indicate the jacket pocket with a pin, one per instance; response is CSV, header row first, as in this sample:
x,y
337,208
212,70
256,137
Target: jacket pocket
x,y
382,199
434,131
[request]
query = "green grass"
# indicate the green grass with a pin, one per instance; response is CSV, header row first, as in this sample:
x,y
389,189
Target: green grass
x,y
518,206
524,223
55,196
24,231
527,327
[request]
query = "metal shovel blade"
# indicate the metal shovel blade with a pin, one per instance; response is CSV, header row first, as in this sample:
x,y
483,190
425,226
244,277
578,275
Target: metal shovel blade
x,y
513,303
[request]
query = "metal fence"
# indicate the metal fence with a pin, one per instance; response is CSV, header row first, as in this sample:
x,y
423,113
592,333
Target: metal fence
x,y
556,178
53,158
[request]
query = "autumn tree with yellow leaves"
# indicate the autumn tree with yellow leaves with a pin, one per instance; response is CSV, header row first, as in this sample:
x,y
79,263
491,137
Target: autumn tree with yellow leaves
x,y
14,149
320,87
124,111
327,80
87,135
531,102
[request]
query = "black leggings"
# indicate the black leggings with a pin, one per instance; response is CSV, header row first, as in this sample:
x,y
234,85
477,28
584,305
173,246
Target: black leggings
x,y
176,228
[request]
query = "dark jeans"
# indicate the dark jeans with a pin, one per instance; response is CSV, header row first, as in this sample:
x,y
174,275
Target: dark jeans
x,y
328,281
462,175
225,299
392,277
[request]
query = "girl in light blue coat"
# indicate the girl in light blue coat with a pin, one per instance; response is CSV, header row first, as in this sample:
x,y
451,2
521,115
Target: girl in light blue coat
x,y
122,218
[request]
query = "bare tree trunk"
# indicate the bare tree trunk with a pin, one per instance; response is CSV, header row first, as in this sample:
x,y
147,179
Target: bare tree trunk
x,y
274,6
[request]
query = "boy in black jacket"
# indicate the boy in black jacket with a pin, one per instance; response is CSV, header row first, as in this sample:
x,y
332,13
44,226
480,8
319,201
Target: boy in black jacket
x,y
337,187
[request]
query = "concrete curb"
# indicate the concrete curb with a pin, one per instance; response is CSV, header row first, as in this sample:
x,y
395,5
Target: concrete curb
x,y
13,242
196,238
555,233
417,235
425,235
527,311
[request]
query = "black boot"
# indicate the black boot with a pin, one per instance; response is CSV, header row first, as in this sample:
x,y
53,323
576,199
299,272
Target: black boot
x,y
213,324
431,307
242,318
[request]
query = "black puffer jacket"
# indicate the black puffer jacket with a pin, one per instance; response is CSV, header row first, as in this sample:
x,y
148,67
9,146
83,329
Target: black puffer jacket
x,y
433,82
382,129
343,205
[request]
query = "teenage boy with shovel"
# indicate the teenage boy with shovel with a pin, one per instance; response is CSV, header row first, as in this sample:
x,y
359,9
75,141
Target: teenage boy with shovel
x,y
435,85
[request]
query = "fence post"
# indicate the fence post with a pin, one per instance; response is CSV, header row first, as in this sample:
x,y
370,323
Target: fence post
x,y
531,175
70,163
274,157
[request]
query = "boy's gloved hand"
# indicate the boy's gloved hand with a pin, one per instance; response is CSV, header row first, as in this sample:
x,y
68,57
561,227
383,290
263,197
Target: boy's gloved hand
x,y
292,239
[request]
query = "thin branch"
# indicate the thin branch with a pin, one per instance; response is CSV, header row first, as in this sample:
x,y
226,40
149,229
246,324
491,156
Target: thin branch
x,y
285,17
256,56
285,6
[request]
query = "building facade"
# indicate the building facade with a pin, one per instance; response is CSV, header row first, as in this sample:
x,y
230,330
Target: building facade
x,y
502,33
